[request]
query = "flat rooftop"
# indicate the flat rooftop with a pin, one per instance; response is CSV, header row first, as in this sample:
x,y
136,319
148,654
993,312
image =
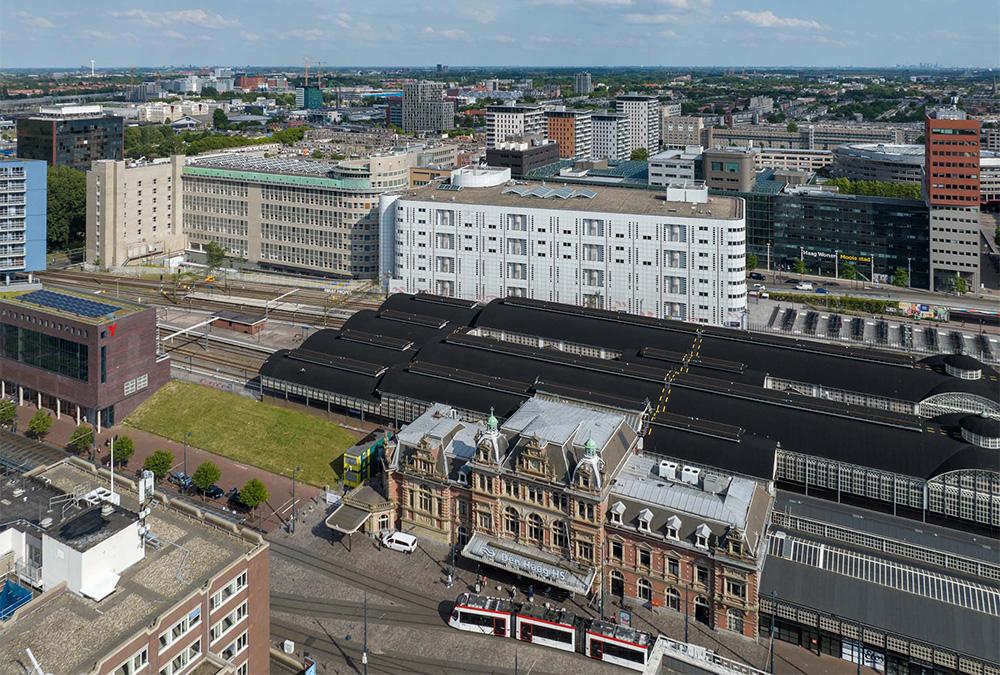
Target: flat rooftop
x,y
68,633
72,304
605,200
297,167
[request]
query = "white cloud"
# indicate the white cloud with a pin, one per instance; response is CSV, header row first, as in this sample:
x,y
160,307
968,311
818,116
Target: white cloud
x,y
174,35
768,19
343,20
248,36
481,14
686,4
309,34
502,39
668,34
447,34
97,35
34,21
649,18
194,17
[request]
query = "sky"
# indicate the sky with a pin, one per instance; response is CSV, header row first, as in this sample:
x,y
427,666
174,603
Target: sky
x,y
115,33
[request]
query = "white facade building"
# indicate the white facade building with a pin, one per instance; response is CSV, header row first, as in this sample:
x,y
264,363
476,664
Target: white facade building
x,y
609,136
644,120
674,165
504,122
607,247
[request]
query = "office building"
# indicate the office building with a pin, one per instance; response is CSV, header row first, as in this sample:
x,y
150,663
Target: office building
x,y
607,247
424,107
802,160
643,120
308,98
730,169
522,157
761,104
564,486
71,135
23,216
991,139
879,161
91,359
133,211
668,166
583,84
394,111
159,112
117,578
828,230
610,137
682,131
989,179
572,130
506,122
951,190
289,214
810,137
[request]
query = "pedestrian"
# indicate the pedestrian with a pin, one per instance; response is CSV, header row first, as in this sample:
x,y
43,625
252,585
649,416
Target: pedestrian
x,y
451,580
531,593
513,592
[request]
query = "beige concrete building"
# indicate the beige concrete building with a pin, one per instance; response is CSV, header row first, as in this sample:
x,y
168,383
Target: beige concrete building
x,y
133,211
682,131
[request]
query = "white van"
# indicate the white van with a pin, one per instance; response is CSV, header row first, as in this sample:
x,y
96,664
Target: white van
x,y
400,541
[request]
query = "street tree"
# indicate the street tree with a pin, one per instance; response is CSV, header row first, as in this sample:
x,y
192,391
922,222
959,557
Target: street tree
x,y
40,424
159,463
205,476
900,278
799,266
960,285
8,412
752,262
215,255
124,449
640,154
848,271
253,494
219,119
82,438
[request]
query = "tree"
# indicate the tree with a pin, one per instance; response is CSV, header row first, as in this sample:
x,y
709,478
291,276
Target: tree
x,y
67,208
8,412
159,463
219,119
82,438
124,449
799,266
40,424
317,154
792,127
752,262
959,284
900,278
640,155
848,271
205,476
215,255
253,494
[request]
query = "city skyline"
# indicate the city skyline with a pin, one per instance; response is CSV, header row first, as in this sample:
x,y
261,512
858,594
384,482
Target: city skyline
x,y
523,33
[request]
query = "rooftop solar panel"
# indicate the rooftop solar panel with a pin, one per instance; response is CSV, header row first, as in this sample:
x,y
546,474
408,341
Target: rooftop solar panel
x,y
586,194
69,303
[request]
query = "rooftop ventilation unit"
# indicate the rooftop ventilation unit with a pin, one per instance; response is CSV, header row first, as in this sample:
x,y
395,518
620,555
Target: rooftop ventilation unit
x,y
690,475
668,470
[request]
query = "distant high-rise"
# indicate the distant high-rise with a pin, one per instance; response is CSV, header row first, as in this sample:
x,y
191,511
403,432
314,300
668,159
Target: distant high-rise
x,y
572,130
609,136
424,107
505,122
72,135
308,98
23,215
951,190
644,120
583,84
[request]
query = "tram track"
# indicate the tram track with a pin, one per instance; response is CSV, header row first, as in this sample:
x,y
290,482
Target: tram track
x,y
350,611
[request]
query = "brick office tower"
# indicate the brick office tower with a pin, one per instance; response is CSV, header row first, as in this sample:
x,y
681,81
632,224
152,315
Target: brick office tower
x,y
951,190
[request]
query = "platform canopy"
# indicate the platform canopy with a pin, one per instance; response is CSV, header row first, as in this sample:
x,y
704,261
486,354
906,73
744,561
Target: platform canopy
x,y
530,562
347,519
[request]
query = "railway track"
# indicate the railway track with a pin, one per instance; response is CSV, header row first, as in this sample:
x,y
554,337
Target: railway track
x,y
350,611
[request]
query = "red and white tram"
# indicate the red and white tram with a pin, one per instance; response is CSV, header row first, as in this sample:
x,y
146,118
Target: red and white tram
x,y
482,614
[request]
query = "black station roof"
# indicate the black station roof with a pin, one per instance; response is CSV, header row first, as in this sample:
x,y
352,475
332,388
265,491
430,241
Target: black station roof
x,y
716,413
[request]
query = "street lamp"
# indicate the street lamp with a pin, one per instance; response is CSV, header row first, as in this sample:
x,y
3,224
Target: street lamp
x,y
187,438
295,510
908,273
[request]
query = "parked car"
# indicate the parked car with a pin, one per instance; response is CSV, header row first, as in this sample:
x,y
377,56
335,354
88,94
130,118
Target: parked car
x,y
400,541
803,286
759,287
764,295
821,291
791,281
233,500
180,479
214,492
756,276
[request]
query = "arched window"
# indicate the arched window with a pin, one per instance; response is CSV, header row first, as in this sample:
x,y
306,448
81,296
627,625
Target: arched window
x,y
535,528
673,599
463,535
511,521
617,584
560,539
383,522
425,499
735,620
644,590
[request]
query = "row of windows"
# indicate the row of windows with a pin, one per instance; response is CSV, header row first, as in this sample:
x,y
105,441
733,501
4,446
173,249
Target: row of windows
x,y
184,626
212,187
215,224
51,353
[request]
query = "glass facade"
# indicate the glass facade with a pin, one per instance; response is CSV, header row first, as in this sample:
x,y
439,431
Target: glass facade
x,y
75,141
54,354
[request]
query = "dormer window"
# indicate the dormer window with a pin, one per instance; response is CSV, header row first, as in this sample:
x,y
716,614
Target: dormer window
x,y
673,527
701,535
615,513
645,516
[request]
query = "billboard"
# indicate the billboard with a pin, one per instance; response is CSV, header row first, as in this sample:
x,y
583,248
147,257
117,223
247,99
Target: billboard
x,y
919,310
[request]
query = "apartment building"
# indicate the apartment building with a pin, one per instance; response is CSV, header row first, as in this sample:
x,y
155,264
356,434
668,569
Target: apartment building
x,y
572,130
128,581
582,84
134,210
424,107
803,160
811,137
507,122
610,137
951,190
165,113
643,119
71,135
607,247
682,131
23,212
290,214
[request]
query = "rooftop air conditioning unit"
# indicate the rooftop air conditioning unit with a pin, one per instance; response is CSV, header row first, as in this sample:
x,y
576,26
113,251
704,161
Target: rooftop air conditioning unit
x,y
668,470
45,523
690,474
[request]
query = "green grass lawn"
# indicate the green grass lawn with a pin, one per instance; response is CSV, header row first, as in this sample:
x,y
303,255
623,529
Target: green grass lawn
x,y
272,438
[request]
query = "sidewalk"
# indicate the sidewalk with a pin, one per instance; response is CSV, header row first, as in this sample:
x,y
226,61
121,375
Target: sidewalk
x,y
234,474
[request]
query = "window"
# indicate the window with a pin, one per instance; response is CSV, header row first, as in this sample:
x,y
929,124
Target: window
x,y
701,575
736,589
560,539
644,590
585,550
137,662
617,551
672,599
181,628
227,622
56,355
673,567
644,517
645,558
484,520
228,591
183,659
235,647
535,528
735,620
104,364
511,522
